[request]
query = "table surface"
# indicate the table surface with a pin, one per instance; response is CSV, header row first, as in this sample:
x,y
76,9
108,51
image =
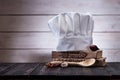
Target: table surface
x,y
111,70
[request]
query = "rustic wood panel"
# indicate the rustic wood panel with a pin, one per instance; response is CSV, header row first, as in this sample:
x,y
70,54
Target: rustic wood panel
x,y
47,40
25,36
106,23
75,73
24,69
112,55
4,66
38,68
45,55
113,70
53,6
49,71
84,71
26,40
40,23
24,23
107,40
11,66
25,56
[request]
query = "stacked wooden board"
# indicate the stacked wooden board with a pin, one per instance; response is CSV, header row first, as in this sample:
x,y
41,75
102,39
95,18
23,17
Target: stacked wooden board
x,y
85,58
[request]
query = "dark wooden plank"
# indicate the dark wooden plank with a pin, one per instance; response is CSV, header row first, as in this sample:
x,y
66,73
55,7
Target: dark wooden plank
x,y
71,71
49,71
22,69
37,70
10,66
53,6
92,71
100,71
113,68
76,73
4,66
40,71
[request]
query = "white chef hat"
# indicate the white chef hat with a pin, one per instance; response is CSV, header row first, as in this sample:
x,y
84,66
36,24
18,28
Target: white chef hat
x,y
73,30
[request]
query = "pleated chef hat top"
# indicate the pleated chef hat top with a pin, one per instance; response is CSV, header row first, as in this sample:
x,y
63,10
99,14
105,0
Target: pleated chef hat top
x,y
73,30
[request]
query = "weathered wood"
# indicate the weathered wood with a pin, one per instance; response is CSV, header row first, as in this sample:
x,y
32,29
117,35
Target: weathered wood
x,y
106,39
37,24
11,66
113,69
22,56
101,71
84,71
27,40
49,71
53,6
37,70
110,72
45,55
23,27
111,55
106,23
70,71
24,23
47,40
24,69
4,66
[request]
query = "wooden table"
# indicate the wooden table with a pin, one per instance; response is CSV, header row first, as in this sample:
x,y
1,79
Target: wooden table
x,y
38,71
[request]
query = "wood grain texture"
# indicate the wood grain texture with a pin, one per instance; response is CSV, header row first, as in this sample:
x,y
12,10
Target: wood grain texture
x,y
38,68
45,55
74,71
26,37
24,69
22,56
47,40
11,66
55,7
106,24
4,66
37,24
24,23
49,71
83,71
113,70
27,40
